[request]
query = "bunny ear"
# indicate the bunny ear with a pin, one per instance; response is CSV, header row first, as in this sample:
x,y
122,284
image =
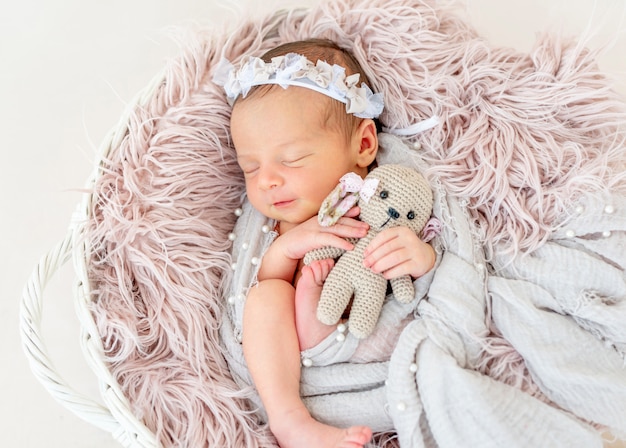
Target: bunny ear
x,y
336,204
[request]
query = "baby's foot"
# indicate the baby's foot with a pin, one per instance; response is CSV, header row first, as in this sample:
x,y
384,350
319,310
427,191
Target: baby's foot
x,y
308,289
299,429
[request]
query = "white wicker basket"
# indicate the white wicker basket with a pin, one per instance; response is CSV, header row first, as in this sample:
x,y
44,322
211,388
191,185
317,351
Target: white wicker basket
x,y
114,415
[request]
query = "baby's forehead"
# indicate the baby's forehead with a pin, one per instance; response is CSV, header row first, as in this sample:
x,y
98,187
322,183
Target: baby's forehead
x,y
274,95
273,100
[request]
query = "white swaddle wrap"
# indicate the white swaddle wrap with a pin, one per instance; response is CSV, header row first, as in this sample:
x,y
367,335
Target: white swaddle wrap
x,y
561,308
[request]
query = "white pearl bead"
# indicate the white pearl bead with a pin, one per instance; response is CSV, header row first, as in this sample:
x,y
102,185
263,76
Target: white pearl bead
x,y
341,337
580,209
341,328
241,296
232,236
606,233
254,261
233,266
306,362
401,406
265,229
609,209
413,368
417,145
238,211
231,300
570,233
245,246
239,338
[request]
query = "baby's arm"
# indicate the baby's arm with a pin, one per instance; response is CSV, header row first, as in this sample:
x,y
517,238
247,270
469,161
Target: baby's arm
x,y
281,259
399,251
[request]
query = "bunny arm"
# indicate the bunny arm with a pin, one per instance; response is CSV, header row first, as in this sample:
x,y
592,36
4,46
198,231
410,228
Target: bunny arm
x,y
403,289
326,252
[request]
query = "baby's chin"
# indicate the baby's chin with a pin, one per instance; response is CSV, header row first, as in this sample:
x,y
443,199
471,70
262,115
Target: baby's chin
x,y
294,212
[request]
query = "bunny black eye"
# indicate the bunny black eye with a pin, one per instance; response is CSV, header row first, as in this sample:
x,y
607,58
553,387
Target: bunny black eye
x,y
410,215
384,194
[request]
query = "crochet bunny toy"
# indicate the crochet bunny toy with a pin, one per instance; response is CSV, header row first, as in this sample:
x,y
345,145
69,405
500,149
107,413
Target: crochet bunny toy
x,y
390,195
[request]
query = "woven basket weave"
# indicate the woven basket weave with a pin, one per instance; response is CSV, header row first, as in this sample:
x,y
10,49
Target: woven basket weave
x,y
114,414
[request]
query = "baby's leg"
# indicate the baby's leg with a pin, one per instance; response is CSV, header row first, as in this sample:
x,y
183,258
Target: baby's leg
x,y
270,346
308,289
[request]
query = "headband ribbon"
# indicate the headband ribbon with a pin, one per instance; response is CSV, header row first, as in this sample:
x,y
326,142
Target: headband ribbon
x,y
294,69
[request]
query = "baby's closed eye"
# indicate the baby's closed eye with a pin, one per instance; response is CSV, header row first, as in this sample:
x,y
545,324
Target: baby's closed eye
x,y
249,170
295,161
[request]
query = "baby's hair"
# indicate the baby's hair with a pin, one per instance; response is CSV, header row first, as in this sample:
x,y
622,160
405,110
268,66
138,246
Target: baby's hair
x,y
320,49
328,51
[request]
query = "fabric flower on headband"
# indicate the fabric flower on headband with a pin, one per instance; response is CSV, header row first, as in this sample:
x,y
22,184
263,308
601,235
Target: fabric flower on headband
x,y
294,69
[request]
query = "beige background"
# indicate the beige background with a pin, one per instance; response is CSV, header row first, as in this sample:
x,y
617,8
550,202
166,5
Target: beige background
x,y
66,69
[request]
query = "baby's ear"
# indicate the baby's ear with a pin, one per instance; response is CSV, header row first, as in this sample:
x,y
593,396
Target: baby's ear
x,y
367,139
336,204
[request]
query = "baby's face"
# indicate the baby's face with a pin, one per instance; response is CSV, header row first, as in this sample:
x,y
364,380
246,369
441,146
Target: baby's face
x,y
290,159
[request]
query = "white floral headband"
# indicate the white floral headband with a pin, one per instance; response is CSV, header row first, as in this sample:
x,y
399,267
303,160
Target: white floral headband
x,y
294,69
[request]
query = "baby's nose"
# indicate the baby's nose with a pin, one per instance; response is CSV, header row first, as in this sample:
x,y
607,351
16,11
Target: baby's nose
x,y
393,213
268,179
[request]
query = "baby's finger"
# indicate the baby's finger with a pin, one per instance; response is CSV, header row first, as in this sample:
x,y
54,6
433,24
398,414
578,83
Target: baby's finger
x,y
321,269
388,261
396,271
349,228
353,212
382,244
332,240
322,266
326,265
316,270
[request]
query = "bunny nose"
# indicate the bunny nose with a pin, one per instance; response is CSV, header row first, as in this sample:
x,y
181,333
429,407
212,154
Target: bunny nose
x,y
393,213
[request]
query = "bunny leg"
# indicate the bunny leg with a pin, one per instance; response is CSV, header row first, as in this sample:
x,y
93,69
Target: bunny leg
x,y
366,307
336,295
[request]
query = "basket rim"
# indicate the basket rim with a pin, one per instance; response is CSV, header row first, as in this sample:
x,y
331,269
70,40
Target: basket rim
x,y
114,414
132,430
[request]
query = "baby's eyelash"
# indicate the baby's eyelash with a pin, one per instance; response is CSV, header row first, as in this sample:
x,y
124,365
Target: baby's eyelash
x,y
248,171
292,161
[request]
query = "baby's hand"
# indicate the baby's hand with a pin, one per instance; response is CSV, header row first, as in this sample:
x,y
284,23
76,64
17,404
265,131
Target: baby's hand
x,y
398,251
284,253
310,235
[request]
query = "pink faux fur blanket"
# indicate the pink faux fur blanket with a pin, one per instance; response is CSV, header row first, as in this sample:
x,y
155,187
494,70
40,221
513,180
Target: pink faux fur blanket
x,y
522,136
